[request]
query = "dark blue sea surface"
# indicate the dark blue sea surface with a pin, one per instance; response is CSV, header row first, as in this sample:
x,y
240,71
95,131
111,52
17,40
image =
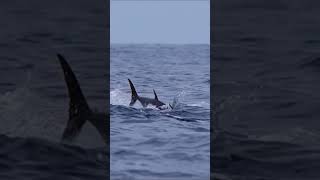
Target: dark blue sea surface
x,y
33,116
266,90
34,99
147,143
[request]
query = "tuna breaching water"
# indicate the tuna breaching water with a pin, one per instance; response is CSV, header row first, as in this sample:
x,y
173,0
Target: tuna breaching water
x,y
148,142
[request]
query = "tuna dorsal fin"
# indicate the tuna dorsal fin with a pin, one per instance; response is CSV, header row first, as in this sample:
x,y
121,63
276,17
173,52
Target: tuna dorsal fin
x,y
155,95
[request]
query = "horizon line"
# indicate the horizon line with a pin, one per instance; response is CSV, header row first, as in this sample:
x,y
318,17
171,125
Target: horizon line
x,y
120,43
161,0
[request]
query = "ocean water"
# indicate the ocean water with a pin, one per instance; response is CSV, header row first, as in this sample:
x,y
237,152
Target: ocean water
x,y
147,143
33,95
33,115
266,90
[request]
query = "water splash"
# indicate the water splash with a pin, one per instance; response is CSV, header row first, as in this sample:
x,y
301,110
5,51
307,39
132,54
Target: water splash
x,y
118,97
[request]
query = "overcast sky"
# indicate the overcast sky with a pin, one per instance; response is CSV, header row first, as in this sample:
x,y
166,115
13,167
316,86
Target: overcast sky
x,y
178,22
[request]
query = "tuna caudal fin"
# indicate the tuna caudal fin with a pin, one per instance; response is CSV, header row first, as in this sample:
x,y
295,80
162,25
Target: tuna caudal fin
x,y
134,94
79,110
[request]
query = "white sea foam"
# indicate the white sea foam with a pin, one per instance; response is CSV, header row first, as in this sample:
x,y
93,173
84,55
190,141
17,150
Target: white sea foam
x,y
118,97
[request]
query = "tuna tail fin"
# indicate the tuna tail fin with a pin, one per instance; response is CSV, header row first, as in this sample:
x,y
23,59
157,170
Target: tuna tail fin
x,y
134,94
79,110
